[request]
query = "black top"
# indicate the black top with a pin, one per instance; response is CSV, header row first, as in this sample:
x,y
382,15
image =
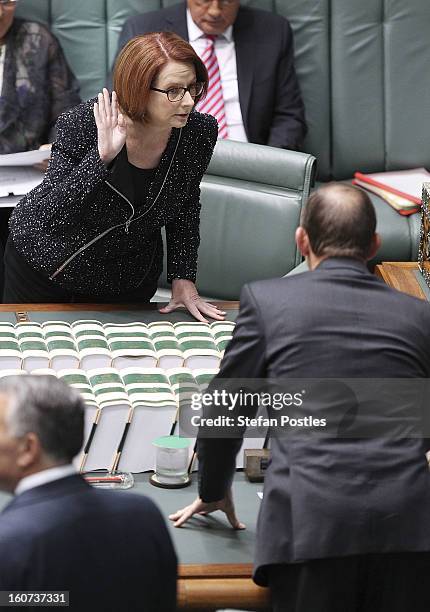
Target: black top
x,y
142,179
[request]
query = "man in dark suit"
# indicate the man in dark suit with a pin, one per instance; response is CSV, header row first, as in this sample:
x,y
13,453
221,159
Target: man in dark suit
x,y
345,521
111,551
255,52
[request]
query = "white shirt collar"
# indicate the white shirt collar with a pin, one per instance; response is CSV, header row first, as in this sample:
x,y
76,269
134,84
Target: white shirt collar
x,y
194,32
43,477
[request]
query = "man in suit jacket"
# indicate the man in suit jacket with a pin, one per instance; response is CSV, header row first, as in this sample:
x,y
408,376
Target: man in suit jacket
x,y
111,551
255,53
344,523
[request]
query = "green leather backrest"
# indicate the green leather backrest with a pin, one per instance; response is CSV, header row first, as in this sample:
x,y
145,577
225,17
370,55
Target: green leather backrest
x,y
381,86
252,197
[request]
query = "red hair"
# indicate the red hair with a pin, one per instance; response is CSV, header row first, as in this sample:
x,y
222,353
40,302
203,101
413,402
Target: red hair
x,y
140,62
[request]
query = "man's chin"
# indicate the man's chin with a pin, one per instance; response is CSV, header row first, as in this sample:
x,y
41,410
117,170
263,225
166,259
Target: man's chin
x,y
214,30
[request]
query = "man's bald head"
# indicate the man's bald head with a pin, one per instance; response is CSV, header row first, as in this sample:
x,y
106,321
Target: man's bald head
x,y
340,221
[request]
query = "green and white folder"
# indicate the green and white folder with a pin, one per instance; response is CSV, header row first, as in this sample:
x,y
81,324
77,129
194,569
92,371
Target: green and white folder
x,y
91,344
154,406
130,345
222,332
63,353
166,345
112,398
183,385
32,346
10,355
197,345
204,376
78,380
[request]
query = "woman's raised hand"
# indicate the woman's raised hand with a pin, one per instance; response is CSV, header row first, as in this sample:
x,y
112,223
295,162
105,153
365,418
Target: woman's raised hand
x,y
111,126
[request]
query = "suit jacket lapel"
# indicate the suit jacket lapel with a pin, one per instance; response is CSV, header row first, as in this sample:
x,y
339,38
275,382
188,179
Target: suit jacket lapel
x,y
245,67
177,20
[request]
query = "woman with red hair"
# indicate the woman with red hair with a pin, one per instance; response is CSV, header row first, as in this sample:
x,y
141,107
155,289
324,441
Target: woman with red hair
x,y
122,167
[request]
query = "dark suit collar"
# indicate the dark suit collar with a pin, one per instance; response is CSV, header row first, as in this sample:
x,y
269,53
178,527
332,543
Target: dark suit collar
x,y
176,18
55,488
245,50
342,263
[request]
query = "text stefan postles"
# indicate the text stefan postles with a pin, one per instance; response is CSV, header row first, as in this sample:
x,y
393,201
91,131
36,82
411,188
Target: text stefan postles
x,y
260,421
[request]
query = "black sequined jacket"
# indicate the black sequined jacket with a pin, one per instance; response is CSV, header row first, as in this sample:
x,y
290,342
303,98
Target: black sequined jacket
x,y
80,226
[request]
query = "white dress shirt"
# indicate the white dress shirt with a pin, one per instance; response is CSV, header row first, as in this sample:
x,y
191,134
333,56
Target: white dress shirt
x,y
43,477
2,57
225,52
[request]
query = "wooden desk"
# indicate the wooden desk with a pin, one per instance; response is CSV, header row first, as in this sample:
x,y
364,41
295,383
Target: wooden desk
x,y
215,563
401,276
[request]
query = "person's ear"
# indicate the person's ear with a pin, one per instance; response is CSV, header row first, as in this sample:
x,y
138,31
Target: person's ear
x,y
29,451
302,241
374,246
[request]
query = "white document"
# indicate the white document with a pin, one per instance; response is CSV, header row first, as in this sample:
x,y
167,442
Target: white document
x,y
409,182
27,158
17,181
9,201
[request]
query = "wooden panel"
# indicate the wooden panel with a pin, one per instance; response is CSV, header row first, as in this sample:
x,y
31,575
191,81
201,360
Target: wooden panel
x,y
99,307
401,276
211,587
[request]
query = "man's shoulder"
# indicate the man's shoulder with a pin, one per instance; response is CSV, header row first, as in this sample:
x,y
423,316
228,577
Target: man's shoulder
x,y
295,288
266,289
152,20
50,511
261,19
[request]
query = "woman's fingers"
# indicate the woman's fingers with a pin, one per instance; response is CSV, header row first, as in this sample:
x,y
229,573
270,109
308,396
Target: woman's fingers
x,y
181,516
96,114
171,306
196,308
101,104
107,112
114,108
233,520
212,312
107,104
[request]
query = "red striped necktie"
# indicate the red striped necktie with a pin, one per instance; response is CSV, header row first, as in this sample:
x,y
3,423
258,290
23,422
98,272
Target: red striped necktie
x,y
214,101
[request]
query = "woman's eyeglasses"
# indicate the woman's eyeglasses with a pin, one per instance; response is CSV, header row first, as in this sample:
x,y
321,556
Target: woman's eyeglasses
x,y
8,3
175,94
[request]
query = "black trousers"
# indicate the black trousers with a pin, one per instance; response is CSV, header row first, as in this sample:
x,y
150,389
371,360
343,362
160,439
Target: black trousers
x,y
24,285
364,583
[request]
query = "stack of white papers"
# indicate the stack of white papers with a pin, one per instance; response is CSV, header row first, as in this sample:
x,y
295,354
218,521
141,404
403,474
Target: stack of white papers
x,y
18,177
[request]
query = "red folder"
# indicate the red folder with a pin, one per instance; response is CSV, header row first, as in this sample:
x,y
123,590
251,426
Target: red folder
x,y
367,179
